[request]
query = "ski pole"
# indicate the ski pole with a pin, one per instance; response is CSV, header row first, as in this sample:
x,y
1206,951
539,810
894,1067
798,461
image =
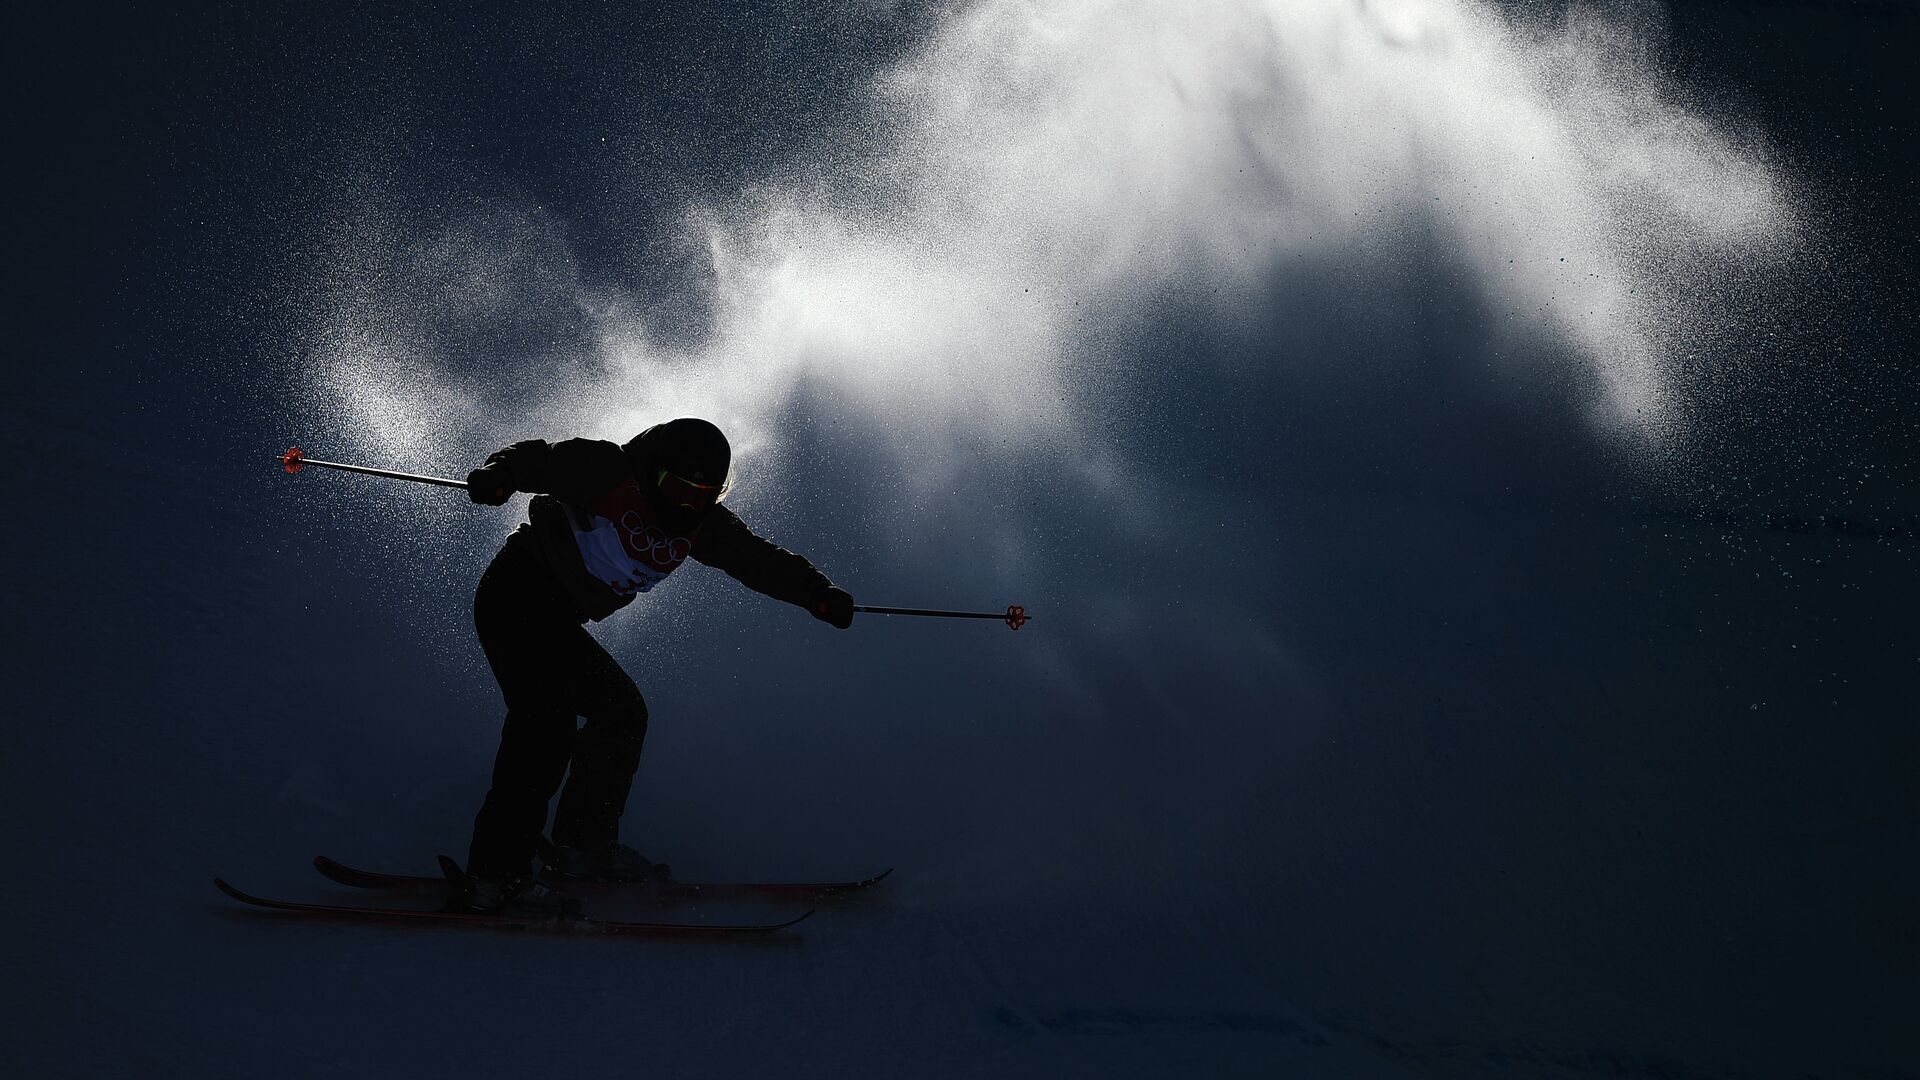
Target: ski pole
x,y
1015,616
296,459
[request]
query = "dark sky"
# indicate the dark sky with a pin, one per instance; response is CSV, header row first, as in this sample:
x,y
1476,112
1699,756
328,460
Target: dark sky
x,y
1413,690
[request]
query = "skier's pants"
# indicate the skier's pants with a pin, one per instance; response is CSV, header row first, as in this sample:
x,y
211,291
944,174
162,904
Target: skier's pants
x,y
551,672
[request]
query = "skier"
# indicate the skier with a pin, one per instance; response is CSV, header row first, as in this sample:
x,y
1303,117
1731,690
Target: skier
x,y
607,522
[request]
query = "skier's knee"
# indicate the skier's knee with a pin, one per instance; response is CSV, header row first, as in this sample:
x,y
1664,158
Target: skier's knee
x,y
631,731
631,708
620,727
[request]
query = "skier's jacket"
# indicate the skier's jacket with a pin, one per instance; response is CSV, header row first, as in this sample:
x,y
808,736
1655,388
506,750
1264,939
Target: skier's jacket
x,y
592,524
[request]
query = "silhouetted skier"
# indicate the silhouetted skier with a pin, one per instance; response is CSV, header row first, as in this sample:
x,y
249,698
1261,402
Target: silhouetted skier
x,y
608,522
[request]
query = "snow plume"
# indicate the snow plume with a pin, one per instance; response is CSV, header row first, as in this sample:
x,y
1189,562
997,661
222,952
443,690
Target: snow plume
x,y
971,251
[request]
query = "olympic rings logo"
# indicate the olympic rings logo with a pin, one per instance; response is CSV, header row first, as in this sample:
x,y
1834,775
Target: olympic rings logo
x,y
655,546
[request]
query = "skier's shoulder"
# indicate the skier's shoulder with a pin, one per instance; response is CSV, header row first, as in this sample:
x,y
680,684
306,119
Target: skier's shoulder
x,y
596,451
719,536
589,468
723,523
566,453
576,471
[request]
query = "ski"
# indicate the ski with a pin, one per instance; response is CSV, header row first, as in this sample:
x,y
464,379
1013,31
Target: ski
x,y
574,923
412,883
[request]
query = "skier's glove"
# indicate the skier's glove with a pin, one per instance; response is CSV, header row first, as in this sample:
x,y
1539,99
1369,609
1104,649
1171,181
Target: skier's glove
x,y
834,605
489,485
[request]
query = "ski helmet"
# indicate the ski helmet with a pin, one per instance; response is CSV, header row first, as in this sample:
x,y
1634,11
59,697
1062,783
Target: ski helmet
x,y
687,462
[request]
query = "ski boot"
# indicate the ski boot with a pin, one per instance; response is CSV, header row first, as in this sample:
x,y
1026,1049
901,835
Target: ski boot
x,y
617,864
507,894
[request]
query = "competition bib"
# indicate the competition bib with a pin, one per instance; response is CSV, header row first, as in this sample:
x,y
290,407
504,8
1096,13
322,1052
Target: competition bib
x,y
623,544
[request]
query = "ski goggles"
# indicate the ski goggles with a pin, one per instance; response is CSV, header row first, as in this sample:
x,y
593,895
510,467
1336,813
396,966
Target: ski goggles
x,y
679,491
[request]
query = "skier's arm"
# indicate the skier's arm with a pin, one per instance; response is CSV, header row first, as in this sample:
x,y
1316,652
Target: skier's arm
x,y
574,470
726,544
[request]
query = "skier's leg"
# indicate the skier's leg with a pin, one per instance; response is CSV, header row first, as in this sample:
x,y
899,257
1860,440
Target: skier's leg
x,y
526,772
530,643
606,754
